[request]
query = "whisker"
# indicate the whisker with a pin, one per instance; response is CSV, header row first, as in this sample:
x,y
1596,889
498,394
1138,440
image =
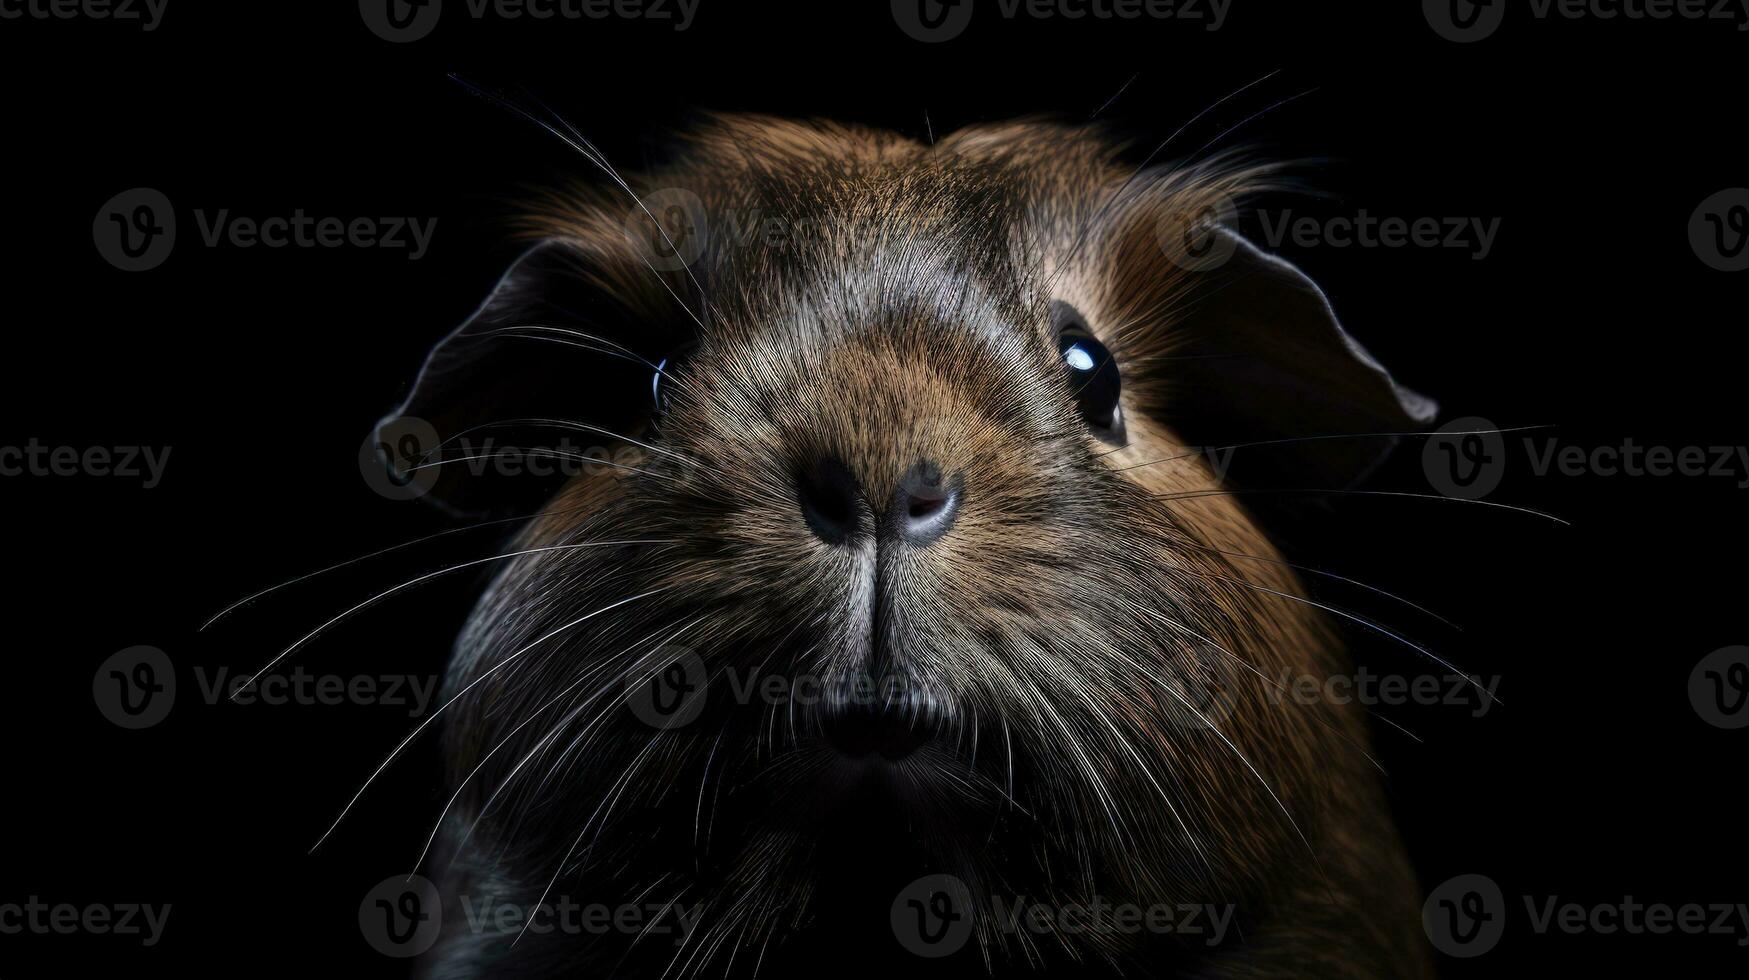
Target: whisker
x,y
523,333
1241,661
559,727
221,614
1094,218
1259,777
580,427
1340,578
426,578
463,785
1344,435
615,791
594,155
1114,96
540,451
1255,115
1191,494
471,685
1362,620
609,345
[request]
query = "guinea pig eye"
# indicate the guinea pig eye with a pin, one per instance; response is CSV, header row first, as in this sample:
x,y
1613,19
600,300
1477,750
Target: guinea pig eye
x,y
662,382
658,390
1095,382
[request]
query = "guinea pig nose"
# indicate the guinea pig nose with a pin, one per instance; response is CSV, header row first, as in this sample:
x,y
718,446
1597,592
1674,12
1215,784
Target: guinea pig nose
x,y
829,499
925,504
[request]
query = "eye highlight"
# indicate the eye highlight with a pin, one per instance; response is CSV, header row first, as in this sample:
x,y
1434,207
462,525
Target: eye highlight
x,y
1094,381
662,380
658,391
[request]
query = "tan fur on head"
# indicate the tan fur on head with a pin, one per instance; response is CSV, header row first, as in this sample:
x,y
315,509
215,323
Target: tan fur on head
x,y
1096,655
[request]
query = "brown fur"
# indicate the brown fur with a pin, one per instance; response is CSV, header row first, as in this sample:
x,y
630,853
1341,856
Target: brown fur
x,y
1075,601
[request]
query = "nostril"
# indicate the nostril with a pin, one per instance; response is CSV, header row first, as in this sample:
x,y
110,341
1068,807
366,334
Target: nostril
x,y
922,507
926,503
828,497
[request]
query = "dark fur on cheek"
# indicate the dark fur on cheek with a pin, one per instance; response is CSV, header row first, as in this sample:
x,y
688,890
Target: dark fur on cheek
x,y
1086,667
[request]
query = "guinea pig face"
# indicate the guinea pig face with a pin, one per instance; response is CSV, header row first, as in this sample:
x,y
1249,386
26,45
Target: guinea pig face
x,y
914,570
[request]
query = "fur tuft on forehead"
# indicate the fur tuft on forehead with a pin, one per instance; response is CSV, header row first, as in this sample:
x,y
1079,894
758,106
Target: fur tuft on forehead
x,y
756,214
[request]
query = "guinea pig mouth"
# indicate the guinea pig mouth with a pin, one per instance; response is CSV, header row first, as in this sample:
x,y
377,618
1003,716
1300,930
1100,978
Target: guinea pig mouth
x,y
878,732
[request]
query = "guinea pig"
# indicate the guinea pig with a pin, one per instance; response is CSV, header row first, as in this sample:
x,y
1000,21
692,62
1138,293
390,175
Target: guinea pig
x,y
909,604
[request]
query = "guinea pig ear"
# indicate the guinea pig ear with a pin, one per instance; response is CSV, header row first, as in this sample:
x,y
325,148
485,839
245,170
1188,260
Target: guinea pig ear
x,y
553,343
1262,376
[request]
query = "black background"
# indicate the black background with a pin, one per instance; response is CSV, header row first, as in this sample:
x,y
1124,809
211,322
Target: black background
x,y
1592,141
